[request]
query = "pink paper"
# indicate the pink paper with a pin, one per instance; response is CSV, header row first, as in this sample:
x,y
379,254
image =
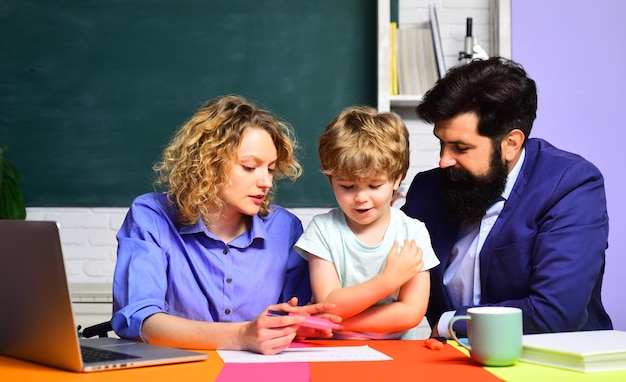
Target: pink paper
x,y
265,372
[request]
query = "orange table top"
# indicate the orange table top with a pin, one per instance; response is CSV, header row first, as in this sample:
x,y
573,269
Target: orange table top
x,y
411,361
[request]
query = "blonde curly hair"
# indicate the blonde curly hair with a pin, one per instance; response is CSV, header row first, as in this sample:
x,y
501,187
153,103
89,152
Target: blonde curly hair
x,y
360,143
194,166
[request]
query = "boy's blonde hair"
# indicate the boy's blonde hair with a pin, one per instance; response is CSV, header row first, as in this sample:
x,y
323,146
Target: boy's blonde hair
x,y
361,143
195,165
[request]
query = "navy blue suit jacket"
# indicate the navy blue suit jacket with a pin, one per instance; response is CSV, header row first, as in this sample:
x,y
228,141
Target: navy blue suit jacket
x,y
546,251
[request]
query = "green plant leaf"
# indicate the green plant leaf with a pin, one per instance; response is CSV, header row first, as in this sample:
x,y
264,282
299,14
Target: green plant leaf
x,y
3,205
15,201
11,196
2,150
10,172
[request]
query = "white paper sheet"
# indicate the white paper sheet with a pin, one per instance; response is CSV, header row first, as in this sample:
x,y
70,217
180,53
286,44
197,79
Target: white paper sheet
x,y
312,354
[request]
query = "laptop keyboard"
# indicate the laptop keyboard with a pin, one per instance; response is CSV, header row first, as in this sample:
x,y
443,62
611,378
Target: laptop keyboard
x,y
100,355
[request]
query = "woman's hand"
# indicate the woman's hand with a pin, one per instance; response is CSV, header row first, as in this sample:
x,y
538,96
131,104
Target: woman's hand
x,y
270,335
273,334
318,310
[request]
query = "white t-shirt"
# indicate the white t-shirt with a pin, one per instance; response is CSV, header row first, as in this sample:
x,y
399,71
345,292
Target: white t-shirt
x,y
329,237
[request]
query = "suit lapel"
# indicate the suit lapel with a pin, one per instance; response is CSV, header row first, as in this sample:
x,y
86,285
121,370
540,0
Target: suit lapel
x,y
494,239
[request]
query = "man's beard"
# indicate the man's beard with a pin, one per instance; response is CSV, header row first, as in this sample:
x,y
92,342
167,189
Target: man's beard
x,y
468,197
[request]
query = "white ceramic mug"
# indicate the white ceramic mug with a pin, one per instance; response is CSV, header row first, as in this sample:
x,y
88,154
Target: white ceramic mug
x,y
494,334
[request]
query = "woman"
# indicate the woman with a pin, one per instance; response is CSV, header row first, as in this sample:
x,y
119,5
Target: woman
x,y
200,265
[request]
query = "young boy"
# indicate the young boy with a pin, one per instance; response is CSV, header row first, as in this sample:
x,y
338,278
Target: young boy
x,y
355,260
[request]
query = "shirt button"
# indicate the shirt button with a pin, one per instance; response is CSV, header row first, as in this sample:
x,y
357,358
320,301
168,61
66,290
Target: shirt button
x,y
227,311
225,251
229,280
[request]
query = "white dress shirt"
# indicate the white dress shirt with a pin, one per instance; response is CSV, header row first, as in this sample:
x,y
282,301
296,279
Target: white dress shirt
x,y
462,276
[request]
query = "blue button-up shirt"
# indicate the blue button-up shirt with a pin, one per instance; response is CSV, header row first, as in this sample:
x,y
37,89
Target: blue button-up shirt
x,y
186,271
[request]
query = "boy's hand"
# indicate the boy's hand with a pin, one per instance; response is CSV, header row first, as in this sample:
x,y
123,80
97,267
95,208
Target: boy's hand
x,y
402,265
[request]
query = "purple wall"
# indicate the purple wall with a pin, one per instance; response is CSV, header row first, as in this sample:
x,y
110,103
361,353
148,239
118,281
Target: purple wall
x,y
576,51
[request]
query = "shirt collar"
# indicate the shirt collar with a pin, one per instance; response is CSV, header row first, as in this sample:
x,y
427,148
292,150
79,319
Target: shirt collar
x,y
512,177
257,231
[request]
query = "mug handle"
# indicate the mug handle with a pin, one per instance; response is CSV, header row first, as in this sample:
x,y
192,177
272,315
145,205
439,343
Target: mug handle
x,y
453,334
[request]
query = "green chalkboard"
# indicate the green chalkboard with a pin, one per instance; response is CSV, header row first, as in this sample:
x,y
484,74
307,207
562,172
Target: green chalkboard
x,y
92,90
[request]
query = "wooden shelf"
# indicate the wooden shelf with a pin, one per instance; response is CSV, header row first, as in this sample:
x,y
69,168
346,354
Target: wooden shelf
x,y
405,100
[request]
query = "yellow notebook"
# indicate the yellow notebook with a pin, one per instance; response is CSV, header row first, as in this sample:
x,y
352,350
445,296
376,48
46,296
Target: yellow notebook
x,y
393,49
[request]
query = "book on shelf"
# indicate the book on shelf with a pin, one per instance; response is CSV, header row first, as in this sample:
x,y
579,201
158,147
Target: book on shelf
x,y
408,58
417,66
393,57
434,26
431,75
584,351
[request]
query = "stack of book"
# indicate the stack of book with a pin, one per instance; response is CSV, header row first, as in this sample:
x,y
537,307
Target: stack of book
x,y
587,351
415,64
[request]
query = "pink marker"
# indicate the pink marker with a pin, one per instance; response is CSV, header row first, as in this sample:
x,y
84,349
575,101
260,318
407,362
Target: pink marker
x,y
310,321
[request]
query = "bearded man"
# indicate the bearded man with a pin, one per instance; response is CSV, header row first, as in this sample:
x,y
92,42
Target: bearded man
x,y
514,221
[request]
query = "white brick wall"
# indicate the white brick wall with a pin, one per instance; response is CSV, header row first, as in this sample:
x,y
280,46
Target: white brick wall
x,y
88,240
424,145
